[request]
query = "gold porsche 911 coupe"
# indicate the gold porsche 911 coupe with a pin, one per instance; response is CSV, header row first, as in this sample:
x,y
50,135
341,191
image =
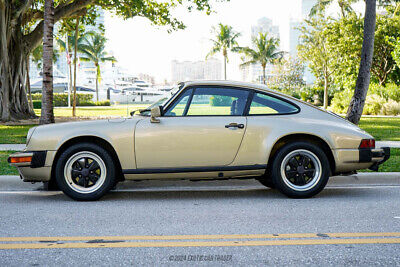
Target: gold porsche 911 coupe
x,y
206,130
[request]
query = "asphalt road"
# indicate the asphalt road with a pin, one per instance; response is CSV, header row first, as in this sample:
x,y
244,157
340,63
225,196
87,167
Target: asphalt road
x,y
354,221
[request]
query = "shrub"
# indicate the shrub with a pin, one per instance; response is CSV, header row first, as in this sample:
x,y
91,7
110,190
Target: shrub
x,y
61,99
37,104
373,105
390,91
221,101
103,103
341,101
380,100
391,108
86,104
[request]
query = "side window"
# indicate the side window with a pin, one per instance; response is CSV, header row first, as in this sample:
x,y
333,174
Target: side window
x,y
264,104
218,101
178,107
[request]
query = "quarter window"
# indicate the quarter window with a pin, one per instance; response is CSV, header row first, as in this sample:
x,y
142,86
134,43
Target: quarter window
x,y
218,101
264,105
178,108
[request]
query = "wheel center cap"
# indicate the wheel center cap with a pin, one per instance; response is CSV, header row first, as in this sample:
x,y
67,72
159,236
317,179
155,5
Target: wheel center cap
x,y
85,172
300,169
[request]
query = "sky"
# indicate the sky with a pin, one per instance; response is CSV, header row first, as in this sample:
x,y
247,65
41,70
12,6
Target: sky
x,y
144,48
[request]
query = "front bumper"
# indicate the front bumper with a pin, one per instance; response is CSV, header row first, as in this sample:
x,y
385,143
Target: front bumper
x,y
35,170
38,159
377,156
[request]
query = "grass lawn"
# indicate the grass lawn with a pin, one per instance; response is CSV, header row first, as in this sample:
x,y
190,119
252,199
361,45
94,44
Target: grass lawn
x,y
5,168
392,164
117,110
14,134
387,129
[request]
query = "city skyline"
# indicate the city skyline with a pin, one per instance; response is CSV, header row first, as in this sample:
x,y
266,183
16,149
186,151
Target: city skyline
x,y
129,39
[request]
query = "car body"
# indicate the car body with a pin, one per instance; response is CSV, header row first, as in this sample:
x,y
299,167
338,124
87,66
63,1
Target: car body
x,y
206,130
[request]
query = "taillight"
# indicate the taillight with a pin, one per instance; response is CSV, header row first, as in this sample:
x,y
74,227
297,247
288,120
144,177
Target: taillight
x,y
367,143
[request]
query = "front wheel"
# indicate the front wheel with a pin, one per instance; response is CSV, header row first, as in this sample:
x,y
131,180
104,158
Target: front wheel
x,y
85,172
300,170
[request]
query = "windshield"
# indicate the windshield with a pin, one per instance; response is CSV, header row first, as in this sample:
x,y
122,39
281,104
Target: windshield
x,y
162,101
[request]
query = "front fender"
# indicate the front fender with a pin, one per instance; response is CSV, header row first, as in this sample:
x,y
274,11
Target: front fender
x,y
120,135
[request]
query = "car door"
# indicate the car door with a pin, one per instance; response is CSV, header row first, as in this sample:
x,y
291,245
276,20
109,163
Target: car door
x,y
203,127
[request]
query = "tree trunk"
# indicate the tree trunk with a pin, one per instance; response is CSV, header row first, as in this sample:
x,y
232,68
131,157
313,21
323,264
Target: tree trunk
x,y
224,67
325,92
75,61
28,83
263,73
14,103
97,87
357,102
47,115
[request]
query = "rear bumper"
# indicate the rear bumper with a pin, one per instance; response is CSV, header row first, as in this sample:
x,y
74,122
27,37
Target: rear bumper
x,y
377,156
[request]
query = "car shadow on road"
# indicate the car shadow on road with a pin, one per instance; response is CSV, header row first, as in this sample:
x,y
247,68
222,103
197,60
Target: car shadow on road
x,y
264,193
239,194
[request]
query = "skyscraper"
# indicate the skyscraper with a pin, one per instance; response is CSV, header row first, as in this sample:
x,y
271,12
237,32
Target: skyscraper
x,y
254,72
195,70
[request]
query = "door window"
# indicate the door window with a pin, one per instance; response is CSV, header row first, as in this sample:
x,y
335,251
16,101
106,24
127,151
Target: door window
x,y
178,107
208,101
263,104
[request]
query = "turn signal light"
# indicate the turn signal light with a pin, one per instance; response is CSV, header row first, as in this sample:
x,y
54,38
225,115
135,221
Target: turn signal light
x,y
367,143
20,159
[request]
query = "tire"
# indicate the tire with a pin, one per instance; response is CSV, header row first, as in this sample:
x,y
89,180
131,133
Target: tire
x,y
300,170
267,182
78,176
50,185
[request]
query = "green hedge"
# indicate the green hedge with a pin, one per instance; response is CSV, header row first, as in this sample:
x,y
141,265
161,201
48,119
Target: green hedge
x,y
221,101
61,99
37,104
82,100
97,103
381,100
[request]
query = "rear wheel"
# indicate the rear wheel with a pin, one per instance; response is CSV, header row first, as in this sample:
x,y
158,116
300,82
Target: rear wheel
x,y
300,170
85,172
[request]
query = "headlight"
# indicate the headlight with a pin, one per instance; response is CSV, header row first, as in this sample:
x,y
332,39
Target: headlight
x,y
29,135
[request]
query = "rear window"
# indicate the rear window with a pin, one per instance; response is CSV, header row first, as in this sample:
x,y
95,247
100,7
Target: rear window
x,y
263,104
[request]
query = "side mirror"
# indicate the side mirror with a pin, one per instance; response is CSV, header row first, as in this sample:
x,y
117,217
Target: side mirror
x,y
155,113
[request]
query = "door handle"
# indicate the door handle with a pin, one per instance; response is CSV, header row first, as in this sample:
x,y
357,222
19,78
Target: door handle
x,y
235,125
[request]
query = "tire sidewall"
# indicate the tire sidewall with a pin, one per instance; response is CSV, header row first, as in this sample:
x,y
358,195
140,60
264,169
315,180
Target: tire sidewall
x,y
103,154
277,178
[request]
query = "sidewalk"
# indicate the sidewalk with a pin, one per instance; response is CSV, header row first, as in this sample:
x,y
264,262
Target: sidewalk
x,y
394,144
18,147
15,147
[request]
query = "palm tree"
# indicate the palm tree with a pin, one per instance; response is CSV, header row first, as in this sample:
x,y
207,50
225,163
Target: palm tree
x,y
225,40
322,5
93,51
357,101
47,113
265,51
68,46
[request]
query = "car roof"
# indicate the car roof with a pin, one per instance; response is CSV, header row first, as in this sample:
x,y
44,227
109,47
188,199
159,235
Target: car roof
x,y
255,86
228,83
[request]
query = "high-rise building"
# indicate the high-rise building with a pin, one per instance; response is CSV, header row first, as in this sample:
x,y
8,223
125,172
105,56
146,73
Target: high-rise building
x,y
294,34
265,25
195,70
254,72
296,22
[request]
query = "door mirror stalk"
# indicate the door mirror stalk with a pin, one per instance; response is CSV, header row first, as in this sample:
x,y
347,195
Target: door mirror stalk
x,y
155,113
